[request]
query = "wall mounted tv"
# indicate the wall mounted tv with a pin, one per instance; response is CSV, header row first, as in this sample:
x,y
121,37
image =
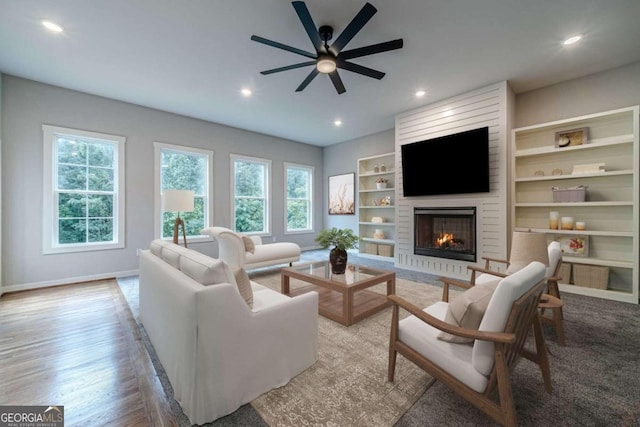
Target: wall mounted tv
x,y
451,164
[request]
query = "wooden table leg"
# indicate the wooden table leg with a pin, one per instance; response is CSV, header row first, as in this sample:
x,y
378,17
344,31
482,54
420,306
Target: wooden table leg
x,y
284,284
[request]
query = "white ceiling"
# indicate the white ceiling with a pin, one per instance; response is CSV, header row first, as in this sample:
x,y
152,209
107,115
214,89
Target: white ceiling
x,y
193,57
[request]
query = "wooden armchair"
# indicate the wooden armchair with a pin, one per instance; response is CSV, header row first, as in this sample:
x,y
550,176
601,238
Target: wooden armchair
x,y
489,273
478,370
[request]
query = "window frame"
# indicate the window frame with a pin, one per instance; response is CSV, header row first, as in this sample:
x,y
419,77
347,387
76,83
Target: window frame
x,y
267,189
208,185
50,230
311,172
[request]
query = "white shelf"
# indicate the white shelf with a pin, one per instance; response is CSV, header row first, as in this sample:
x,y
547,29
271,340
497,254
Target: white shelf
x,y
572,204
578,232
367,195
579,176
614,141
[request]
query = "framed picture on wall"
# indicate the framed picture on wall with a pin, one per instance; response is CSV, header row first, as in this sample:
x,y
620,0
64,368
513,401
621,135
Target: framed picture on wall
x,y
572,137
342,194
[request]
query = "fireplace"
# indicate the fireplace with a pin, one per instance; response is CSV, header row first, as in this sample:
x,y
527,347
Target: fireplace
x,y
445,233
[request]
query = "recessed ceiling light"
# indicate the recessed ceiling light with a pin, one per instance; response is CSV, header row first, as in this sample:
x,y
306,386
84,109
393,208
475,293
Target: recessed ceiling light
x,y
337,122
420,93
572,40
52,26
246,92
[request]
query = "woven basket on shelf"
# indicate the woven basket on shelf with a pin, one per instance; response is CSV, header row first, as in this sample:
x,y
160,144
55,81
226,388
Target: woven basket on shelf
x,y
591,276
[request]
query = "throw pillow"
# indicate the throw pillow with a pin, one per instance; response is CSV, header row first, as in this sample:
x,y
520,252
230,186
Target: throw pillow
x,y
249,246
467,310
244,286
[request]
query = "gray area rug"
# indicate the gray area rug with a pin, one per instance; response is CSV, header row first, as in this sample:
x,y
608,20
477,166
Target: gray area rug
x,y
596,377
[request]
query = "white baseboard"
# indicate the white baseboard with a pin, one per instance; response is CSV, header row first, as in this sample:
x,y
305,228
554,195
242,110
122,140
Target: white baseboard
x,y
68,281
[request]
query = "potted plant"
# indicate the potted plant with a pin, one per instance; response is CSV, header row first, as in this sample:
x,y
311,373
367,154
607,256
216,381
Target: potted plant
x,y
340,239
381,183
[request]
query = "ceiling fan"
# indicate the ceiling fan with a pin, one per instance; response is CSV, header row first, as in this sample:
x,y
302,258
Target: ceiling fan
x,y
327,59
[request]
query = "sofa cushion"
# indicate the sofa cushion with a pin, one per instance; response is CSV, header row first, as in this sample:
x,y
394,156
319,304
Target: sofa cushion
x,y
171,254
156,247
467,310
244,285
205,270
249,246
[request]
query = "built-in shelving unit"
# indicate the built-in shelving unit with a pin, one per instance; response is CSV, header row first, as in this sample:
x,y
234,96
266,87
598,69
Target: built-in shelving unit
x,y
377,203
610,210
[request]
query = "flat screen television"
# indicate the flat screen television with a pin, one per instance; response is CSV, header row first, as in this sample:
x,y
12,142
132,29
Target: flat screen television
x,y
451,164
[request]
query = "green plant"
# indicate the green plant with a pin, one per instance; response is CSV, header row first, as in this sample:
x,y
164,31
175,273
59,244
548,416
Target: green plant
x,y
341,238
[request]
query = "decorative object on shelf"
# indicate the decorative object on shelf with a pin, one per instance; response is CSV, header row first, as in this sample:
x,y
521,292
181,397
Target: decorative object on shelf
x,y
342,194
571,137
379,234
178,201
569,195
383,168
376,169
556,172
588,168
385,201
341,239
538,173
377,219
591,276
577,246
581,225
554,218
381,183
566,223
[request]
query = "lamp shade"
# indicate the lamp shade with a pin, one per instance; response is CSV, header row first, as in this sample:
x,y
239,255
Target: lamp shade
x,y
527,247
177,200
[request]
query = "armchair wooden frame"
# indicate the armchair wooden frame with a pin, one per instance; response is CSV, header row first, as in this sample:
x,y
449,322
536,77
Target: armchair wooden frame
x,y
509,348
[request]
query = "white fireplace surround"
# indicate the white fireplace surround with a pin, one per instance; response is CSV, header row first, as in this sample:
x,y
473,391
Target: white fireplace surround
x,y
490,106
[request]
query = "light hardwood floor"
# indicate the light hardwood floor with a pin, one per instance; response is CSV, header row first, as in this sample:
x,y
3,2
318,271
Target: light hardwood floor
x,y
78,346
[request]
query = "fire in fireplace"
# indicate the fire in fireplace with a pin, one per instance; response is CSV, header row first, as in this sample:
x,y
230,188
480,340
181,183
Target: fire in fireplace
x,y
445,233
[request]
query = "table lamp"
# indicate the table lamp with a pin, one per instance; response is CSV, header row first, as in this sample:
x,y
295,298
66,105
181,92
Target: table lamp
x,y
527,247
178,201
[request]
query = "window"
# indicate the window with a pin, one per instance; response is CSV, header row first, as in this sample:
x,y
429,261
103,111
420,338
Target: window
x,y
83,190
299,200
183,168
250,181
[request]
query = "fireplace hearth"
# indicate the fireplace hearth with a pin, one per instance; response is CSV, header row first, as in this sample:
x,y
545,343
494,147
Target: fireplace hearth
x,y
447,232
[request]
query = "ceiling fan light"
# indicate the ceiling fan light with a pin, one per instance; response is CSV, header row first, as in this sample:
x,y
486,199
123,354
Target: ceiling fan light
x,y
326,64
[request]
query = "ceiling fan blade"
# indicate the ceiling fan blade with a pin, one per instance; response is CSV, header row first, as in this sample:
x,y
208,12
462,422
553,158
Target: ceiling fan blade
x,y
371,49
337,81
309,25
365,71
356,24
306,81
283,47
288,67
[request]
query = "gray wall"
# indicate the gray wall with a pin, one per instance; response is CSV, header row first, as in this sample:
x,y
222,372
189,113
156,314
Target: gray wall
x,y
604,91
26,105
343,158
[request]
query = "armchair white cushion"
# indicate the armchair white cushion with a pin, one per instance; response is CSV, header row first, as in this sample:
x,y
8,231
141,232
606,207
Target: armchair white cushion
x,y
233,251
476,370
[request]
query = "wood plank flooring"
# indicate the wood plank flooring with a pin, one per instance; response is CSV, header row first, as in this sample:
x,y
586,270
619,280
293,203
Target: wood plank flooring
x,y
78,346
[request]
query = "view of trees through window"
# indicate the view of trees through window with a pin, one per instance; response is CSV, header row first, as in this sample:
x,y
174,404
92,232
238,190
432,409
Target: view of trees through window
x,y
250,196
85,190
299,189
182,170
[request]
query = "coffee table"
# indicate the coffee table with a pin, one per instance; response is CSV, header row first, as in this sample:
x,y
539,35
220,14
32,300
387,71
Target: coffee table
x,y
343,298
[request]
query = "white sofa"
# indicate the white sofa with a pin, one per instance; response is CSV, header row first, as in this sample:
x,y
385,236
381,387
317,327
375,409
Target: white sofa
x,y
218,352
233,251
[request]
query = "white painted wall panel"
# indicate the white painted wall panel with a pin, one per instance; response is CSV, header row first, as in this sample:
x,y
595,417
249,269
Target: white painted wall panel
x,y
489,106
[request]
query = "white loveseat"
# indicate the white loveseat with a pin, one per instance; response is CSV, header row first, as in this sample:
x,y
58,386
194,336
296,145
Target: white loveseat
x,y
232,249
218,352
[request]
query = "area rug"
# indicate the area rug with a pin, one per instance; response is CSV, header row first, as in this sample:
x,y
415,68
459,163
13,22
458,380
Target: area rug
x,y
348,384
